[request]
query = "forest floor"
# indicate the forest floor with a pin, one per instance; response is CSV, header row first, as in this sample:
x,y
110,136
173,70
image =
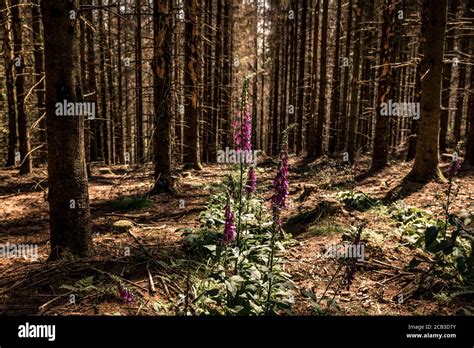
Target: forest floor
x,y
154,233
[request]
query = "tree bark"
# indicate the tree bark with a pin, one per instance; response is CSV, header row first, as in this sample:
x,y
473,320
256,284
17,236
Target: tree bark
x,y
161,97
301,82
10,83
355,82
318,149
426,165
334,114
68,189
227,74
447,73
342,131
139,88
191,83
19,63
385,87
39,76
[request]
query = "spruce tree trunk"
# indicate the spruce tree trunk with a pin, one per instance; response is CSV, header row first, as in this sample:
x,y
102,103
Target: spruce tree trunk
x,y
300,96
39,78
355,83
68,189
311,130
104,115
334,114
275,139
19,64
207,93
139,153
318,149
426,165
385,87
293,74
461,92
447,73
161,96
191,84
121,140
227,75
217,81
10,84
342,129
470,136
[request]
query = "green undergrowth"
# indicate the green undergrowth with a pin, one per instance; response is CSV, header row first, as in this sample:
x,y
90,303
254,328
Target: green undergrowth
x,y
230,280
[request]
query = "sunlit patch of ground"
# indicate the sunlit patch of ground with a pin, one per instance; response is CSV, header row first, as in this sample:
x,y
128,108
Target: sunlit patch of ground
x,y
154,234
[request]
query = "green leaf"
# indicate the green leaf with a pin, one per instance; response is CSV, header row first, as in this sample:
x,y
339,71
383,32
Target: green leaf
x,y
446,246
431,233
210,247
212,292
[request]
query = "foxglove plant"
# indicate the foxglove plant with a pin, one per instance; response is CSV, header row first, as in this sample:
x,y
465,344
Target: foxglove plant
x,y
242,140
352,268
278,202
246,131
451,174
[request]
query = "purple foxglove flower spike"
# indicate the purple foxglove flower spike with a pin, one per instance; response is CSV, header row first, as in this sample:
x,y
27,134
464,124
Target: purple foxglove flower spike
x,y
246,132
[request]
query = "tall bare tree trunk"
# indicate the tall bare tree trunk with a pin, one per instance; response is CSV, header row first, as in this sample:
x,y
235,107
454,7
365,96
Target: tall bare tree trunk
x,y
334,114
19,63
318,150
227,74
311,130
300,96
447,73
39,76
161,96
68,189
217,81
191,139
342,129
385,86
139,153
433,29
10,83
355,82
104,115
121,141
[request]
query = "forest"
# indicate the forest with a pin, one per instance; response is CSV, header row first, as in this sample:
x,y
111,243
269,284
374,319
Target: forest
x,y
237,157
